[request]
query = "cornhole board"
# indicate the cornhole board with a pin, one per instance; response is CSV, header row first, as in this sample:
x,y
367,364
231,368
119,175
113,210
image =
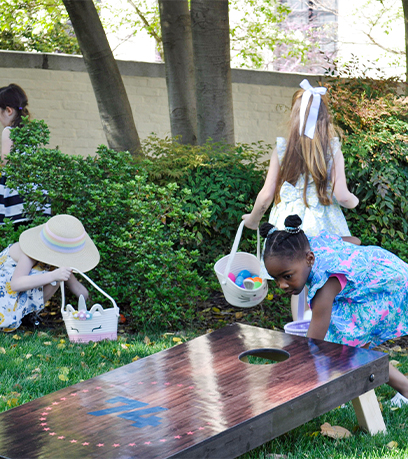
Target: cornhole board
x,y
195,400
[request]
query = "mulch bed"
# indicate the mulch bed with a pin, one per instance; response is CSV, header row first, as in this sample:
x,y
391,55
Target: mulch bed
x,y
214,313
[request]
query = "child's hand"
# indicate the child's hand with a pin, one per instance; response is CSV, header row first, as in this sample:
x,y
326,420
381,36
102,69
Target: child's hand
x,y
248,222
62,274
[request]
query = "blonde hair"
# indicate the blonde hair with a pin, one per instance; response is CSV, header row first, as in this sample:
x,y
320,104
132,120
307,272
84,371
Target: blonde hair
x,y
305,156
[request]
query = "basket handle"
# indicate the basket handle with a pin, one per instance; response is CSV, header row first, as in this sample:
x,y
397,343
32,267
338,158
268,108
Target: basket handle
x,y
74,270
235,248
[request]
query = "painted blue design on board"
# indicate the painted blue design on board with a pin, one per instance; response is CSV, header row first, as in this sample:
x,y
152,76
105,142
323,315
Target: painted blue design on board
x,y
129,406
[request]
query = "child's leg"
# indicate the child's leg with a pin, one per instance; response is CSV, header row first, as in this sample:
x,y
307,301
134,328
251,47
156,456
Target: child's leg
x,y
76,287
398,381
49,290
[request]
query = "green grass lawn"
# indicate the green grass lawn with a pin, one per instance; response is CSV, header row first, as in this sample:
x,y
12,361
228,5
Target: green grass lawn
x,y
35,364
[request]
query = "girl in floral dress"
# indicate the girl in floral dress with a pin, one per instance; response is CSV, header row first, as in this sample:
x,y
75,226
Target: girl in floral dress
x,y
31,269
358,294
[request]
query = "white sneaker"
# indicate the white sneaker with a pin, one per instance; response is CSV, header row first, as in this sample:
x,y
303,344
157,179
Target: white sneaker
x,y
398,400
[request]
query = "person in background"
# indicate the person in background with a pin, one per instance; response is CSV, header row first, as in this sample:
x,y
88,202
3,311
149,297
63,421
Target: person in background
x,y
306,175
13,106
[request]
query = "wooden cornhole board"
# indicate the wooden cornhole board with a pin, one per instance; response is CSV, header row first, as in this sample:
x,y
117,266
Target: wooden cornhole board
x,y
195,400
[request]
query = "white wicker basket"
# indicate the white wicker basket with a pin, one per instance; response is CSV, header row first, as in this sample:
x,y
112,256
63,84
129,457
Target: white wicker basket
x,y
93,325
234,263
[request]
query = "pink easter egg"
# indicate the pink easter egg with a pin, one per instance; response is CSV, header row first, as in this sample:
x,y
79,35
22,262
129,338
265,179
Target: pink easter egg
x,y
232,277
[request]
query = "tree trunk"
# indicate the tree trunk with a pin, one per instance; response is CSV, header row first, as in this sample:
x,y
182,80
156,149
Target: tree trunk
x,y
178,58
113,103
405,8
211,45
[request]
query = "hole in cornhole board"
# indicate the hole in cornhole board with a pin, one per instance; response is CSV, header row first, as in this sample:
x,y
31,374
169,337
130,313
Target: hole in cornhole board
x,y
263,356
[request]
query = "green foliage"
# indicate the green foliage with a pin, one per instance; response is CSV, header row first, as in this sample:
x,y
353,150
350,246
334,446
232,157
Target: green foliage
x,y
142,230
36,25
374,117
128,18
229,176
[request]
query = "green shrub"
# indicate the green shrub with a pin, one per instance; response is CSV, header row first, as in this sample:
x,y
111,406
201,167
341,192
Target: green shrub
x,y
374,117
142,230
229,176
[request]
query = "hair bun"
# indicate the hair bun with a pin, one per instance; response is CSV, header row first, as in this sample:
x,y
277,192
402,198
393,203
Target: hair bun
x,y
293,221
264,229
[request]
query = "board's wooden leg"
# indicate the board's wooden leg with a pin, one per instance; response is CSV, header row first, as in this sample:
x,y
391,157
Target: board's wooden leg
x,y
368,413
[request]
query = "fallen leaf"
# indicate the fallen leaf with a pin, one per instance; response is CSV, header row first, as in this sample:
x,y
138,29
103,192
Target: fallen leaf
x,y
392,445
239,315
276,456
2,350
63,377
28,356
396,349
147,340
122,319
47,343
64,370
176,339
60,346
334,431
12,402
394,363
135,358
16,337
216,309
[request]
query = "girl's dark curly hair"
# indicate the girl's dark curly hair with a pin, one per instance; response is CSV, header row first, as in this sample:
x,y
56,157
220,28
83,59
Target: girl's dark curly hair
x,y
289,243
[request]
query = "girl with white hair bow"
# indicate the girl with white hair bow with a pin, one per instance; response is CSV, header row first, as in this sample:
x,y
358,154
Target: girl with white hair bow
x,y
306,175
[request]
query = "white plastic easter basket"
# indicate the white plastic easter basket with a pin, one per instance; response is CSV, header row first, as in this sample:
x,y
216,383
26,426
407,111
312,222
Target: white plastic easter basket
x,y
234,263
93,325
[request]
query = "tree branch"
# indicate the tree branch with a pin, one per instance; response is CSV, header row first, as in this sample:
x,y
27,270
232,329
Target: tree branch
x,y
146,23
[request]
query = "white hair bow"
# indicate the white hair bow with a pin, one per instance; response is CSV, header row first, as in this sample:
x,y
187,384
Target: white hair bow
x,y
314,108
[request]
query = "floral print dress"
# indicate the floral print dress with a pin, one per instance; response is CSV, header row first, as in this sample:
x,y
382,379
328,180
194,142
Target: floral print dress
x,y
15,305
372,307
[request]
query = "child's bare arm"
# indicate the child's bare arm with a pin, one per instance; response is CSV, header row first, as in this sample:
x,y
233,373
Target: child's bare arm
x,y
322,307
352,240
265,196
6,144
22,281
341,191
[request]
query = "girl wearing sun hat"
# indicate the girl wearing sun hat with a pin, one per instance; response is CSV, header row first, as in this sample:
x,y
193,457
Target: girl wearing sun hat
x,y
31,269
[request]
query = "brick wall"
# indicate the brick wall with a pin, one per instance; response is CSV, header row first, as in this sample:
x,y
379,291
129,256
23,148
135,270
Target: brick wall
x,y
59,91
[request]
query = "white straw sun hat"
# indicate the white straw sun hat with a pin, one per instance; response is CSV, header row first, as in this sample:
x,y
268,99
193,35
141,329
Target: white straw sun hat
x,y
62,241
